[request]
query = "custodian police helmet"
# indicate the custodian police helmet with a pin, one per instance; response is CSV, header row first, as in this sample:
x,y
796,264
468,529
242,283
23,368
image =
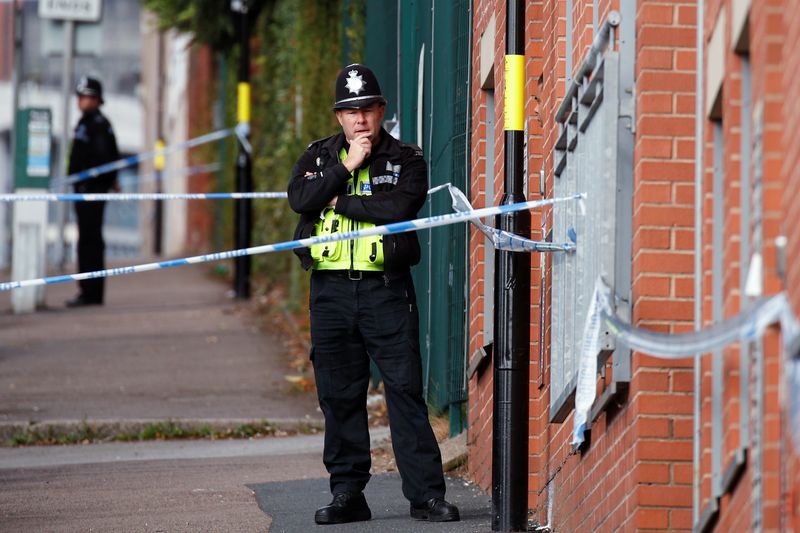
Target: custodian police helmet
x,y
88,86
357,87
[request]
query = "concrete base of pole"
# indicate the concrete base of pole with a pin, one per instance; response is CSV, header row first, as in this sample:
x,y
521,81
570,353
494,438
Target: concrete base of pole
x,y
28,252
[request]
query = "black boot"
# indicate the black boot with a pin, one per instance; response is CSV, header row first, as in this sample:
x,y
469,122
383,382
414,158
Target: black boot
x,y
435,510
81,301
345,507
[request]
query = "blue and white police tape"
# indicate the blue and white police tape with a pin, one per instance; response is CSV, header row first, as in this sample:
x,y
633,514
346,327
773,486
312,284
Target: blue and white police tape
x,y
127,197
746,326
504,240
397,227
138,158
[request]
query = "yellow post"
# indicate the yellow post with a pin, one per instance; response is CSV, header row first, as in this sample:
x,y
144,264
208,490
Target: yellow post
x,y
514,104
159,160
243,103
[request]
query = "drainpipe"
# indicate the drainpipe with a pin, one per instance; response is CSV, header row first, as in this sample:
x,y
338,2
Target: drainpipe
x,y
244,174
159,162
512,304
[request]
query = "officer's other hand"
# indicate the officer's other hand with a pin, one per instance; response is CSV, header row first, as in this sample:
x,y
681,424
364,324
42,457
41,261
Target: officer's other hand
x,y
360,148
115,187
332,203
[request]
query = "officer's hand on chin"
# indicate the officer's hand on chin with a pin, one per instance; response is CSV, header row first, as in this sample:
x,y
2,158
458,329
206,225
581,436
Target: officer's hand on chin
x,y
360,148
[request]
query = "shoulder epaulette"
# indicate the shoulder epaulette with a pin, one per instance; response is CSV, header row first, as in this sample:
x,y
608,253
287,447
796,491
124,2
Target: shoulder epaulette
x,y
318,141
416,149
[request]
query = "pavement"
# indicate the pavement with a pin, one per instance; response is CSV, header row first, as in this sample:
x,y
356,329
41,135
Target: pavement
x,y
171,346
168,344
390,510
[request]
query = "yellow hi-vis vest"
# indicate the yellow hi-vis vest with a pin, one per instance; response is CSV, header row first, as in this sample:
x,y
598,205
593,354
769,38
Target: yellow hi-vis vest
x,y
365,253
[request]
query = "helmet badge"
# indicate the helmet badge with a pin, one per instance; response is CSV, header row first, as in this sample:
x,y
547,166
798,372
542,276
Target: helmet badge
x,y
355,83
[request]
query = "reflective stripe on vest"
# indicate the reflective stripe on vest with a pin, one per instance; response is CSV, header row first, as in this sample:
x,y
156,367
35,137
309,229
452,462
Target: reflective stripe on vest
x,y
365,253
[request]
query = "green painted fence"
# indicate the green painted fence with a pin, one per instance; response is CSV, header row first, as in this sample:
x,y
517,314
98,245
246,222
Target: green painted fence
x,y
424,72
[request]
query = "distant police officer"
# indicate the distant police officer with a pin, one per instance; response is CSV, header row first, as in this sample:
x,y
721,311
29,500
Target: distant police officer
x,y
94,144
363,300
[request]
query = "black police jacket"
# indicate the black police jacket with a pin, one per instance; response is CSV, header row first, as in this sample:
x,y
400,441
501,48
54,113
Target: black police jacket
x,y
399,183
94,144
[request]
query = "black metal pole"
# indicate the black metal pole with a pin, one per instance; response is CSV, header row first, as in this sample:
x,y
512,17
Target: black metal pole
x,y
512,305
158,223
244,176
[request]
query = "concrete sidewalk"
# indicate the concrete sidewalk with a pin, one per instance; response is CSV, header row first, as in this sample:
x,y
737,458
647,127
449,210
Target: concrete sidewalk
x,y
270,484
168,345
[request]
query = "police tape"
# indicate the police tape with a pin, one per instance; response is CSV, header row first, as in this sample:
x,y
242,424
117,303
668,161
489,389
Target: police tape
x,y
747,326
504,240
507,241
138,158
126,197
388,229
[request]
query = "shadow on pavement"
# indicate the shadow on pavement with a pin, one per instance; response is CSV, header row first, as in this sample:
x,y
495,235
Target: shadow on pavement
x,y
291,505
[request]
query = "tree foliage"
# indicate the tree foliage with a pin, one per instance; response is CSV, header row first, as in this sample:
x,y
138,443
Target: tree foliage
x,y
301,47
297,49
211,22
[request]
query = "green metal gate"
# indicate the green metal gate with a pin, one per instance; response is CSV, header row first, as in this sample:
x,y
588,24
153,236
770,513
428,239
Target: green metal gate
x,y
424,60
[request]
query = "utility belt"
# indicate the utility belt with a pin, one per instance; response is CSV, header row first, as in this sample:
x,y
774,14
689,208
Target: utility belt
x,y
352,275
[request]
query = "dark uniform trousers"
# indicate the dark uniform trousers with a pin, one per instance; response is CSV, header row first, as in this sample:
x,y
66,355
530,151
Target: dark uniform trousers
x,y
91,248
94,144
350,319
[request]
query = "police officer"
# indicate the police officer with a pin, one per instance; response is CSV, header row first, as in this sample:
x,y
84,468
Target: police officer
x,y
362,300
94,144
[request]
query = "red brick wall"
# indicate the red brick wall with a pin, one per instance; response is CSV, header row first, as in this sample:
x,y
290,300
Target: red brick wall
x,y
736,509
200,215
6,40
637,471
480,386
767,32
791,164
766,38
659,407
791,208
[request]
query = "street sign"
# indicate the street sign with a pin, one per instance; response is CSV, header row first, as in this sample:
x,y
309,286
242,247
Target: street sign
x,y
33,147
32,163
79,10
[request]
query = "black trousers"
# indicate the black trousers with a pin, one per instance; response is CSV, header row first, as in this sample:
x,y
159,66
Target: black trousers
x,y
91,248
350,319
